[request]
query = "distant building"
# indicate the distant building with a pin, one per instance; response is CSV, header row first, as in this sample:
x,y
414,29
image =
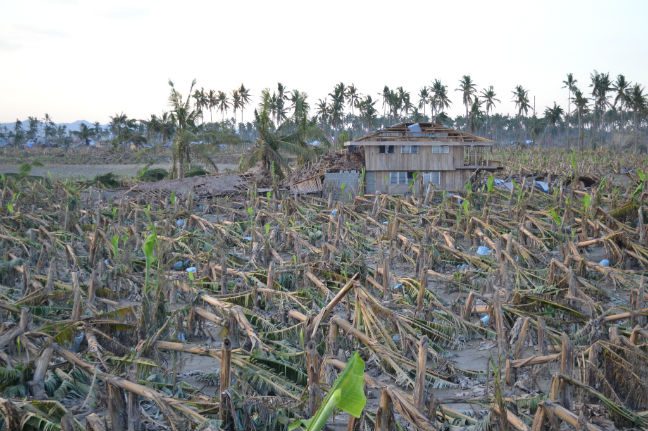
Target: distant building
x,y
401,158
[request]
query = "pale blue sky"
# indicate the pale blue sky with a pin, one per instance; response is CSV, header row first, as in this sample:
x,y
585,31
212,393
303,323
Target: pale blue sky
x,y
79,59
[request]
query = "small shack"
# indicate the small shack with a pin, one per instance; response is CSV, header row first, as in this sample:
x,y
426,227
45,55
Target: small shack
x,y
406,156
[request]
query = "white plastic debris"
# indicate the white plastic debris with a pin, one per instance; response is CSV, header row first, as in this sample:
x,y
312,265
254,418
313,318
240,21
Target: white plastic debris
x,y
180,222
191,269
485,319
604,262
542,185
482,250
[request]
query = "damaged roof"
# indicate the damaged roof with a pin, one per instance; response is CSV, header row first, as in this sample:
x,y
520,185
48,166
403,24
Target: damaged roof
x,y
421,134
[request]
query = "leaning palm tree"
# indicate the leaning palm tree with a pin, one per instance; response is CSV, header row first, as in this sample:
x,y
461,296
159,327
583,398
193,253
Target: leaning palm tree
x,y
468,88
184,118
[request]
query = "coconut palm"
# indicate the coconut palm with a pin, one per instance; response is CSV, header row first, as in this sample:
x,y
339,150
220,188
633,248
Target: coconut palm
x,y
368,111
353,97
570,84
50,128
553,116
222,103
245,98
236,102
638,103
84,134
322,112
601,86
580,104
33,124
424,98
440,100
183,116
18,133
404,101
621,87
489,98
202,100
521,100
271,141
385,98
468,88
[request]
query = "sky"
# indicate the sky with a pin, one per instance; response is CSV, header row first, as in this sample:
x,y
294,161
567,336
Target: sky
x,y
90,59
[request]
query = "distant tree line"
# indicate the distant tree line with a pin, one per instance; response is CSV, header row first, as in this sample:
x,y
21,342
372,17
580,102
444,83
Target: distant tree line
x,y
598,112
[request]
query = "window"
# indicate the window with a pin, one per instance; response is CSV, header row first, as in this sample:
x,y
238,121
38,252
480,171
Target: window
x,y
433,177
390,149
442,149
398,178
409,149
381,149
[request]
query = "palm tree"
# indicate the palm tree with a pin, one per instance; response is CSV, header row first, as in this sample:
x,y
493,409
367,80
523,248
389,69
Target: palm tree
x,y
338,97
424,98
119,129
385,98
279,100
368,111
621,86
353,97
236,102
202,100
323,111
404,98
489,97
475,115
638,103
18,133
210,100
50,128
580,103
32,127
553,116
270,142
440,100
600,85
84,134
521,100
299,105
245,98
183,116
222,103
570,84
468,89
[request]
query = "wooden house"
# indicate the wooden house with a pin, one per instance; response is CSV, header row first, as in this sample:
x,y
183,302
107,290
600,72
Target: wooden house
x,y
406,156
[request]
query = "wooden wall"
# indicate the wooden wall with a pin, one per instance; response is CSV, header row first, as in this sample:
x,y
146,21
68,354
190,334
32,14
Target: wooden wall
x,y
424,160
378,181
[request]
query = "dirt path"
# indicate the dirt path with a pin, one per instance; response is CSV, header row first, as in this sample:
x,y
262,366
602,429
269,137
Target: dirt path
x,y
90,171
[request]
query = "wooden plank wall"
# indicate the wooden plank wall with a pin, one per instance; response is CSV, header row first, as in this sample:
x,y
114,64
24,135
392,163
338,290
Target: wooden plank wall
x,y
424,160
